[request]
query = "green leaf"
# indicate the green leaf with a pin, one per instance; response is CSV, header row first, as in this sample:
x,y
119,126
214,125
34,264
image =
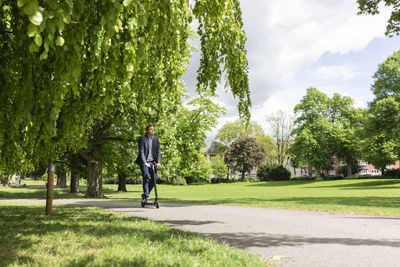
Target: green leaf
x,y
127,2
20,3
37,18
38,40
67,19
51,14
32,30
33,48
51,26
60,41
31,8
43,55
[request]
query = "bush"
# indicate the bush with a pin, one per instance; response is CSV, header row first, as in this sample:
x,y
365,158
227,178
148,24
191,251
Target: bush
x,y
218,166
394,173
278,173
332,178
177,180
198,172
263,172
222,181
302,178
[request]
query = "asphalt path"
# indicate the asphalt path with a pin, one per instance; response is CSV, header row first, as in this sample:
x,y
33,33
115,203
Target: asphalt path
x,y
283,237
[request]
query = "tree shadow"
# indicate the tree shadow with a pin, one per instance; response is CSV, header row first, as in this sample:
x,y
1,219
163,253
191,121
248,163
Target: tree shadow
x,y
379,202
283,183
187,222
247,240
19,223
364,185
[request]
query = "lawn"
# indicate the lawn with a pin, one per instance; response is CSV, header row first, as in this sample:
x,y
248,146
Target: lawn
x,y
368,196
82,236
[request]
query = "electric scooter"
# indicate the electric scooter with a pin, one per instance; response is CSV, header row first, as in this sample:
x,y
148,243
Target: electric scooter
x,y
155,202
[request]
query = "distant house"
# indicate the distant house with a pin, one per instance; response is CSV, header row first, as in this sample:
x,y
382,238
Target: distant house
x,y
365,168
213,148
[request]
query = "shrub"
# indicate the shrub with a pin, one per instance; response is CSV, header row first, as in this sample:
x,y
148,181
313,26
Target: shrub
x,y
279,173
302,178
394,173
218,166
263,172
333,178
198,173
222,181
177,180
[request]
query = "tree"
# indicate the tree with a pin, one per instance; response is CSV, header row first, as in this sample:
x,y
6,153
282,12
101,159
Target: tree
x,y
231,131
325,127
57,55
184,136
219,168
387,78
281,125
382,133
372,7
244,154
381,126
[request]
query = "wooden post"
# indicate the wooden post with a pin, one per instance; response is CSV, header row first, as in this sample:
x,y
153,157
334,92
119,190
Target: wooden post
x,y
50,187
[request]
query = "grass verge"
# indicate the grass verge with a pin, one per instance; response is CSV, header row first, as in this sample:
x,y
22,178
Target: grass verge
x,y
82,236
366,196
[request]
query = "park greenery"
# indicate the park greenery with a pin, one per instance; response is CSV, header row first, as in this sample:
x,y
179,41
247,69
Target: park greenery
x,y
244,154
327,127
81,236
374,195
81,79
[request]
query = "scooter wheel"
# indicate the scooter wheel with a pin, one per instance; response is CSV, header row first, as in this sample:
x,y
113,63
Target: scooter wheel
x,y
143,204
157,205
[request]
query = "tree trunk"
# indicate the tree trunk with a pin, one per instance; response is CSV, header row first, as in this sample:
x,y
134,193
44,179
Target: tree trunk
x,y
74,186
50,187
94,180
229,170
63,179
243,175
5,181
122,183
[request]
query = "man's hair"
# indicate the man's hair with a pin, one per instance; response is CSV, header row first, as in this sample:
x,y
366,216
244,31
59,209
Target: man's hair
x,y
148,126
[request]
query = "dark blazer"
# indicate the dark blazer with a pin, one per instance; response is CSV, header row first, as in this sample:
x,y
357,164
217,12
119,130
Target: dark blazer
x,y
144,150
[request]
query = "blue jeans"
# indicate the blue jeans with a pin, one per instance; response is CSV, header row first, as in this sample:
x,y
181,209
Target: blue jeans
x,y
146,174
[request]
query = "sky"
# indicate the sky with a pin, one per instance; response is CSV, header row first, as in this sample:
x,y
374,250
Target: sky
x,y
296,44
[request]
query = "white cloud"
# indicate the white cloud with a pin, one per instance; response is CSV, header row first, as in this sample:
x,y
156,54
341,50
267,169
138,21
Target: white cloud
x,y
342,72
285,40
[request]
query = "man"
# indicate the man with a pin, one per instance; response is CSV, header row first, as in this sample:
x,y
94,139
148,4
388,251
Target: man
x,y
149,155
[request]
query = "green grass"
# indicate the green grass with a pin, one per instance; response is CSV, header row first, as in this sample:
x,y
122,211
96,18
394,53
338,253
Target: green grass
x,y
368,196
82,236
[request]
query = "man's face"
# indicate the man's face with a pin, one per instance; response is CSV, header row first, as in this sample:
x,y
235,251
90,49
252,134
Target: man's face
x,y
150,130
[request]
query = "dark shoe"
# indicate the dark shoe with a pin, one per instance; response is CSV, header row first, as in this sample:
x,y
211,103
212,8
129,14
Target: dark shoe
x,y
143,196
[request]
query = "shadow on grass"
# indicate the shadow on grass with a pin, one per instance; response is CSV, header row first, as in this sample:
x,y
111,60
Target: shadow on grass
x,y
364,185
296,202
247,240
281,183
59,193
21,223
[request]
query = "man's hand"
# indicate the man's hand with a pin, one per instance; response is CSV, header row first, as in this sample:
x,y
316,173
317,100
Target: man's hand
x,y
147,165
158,165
